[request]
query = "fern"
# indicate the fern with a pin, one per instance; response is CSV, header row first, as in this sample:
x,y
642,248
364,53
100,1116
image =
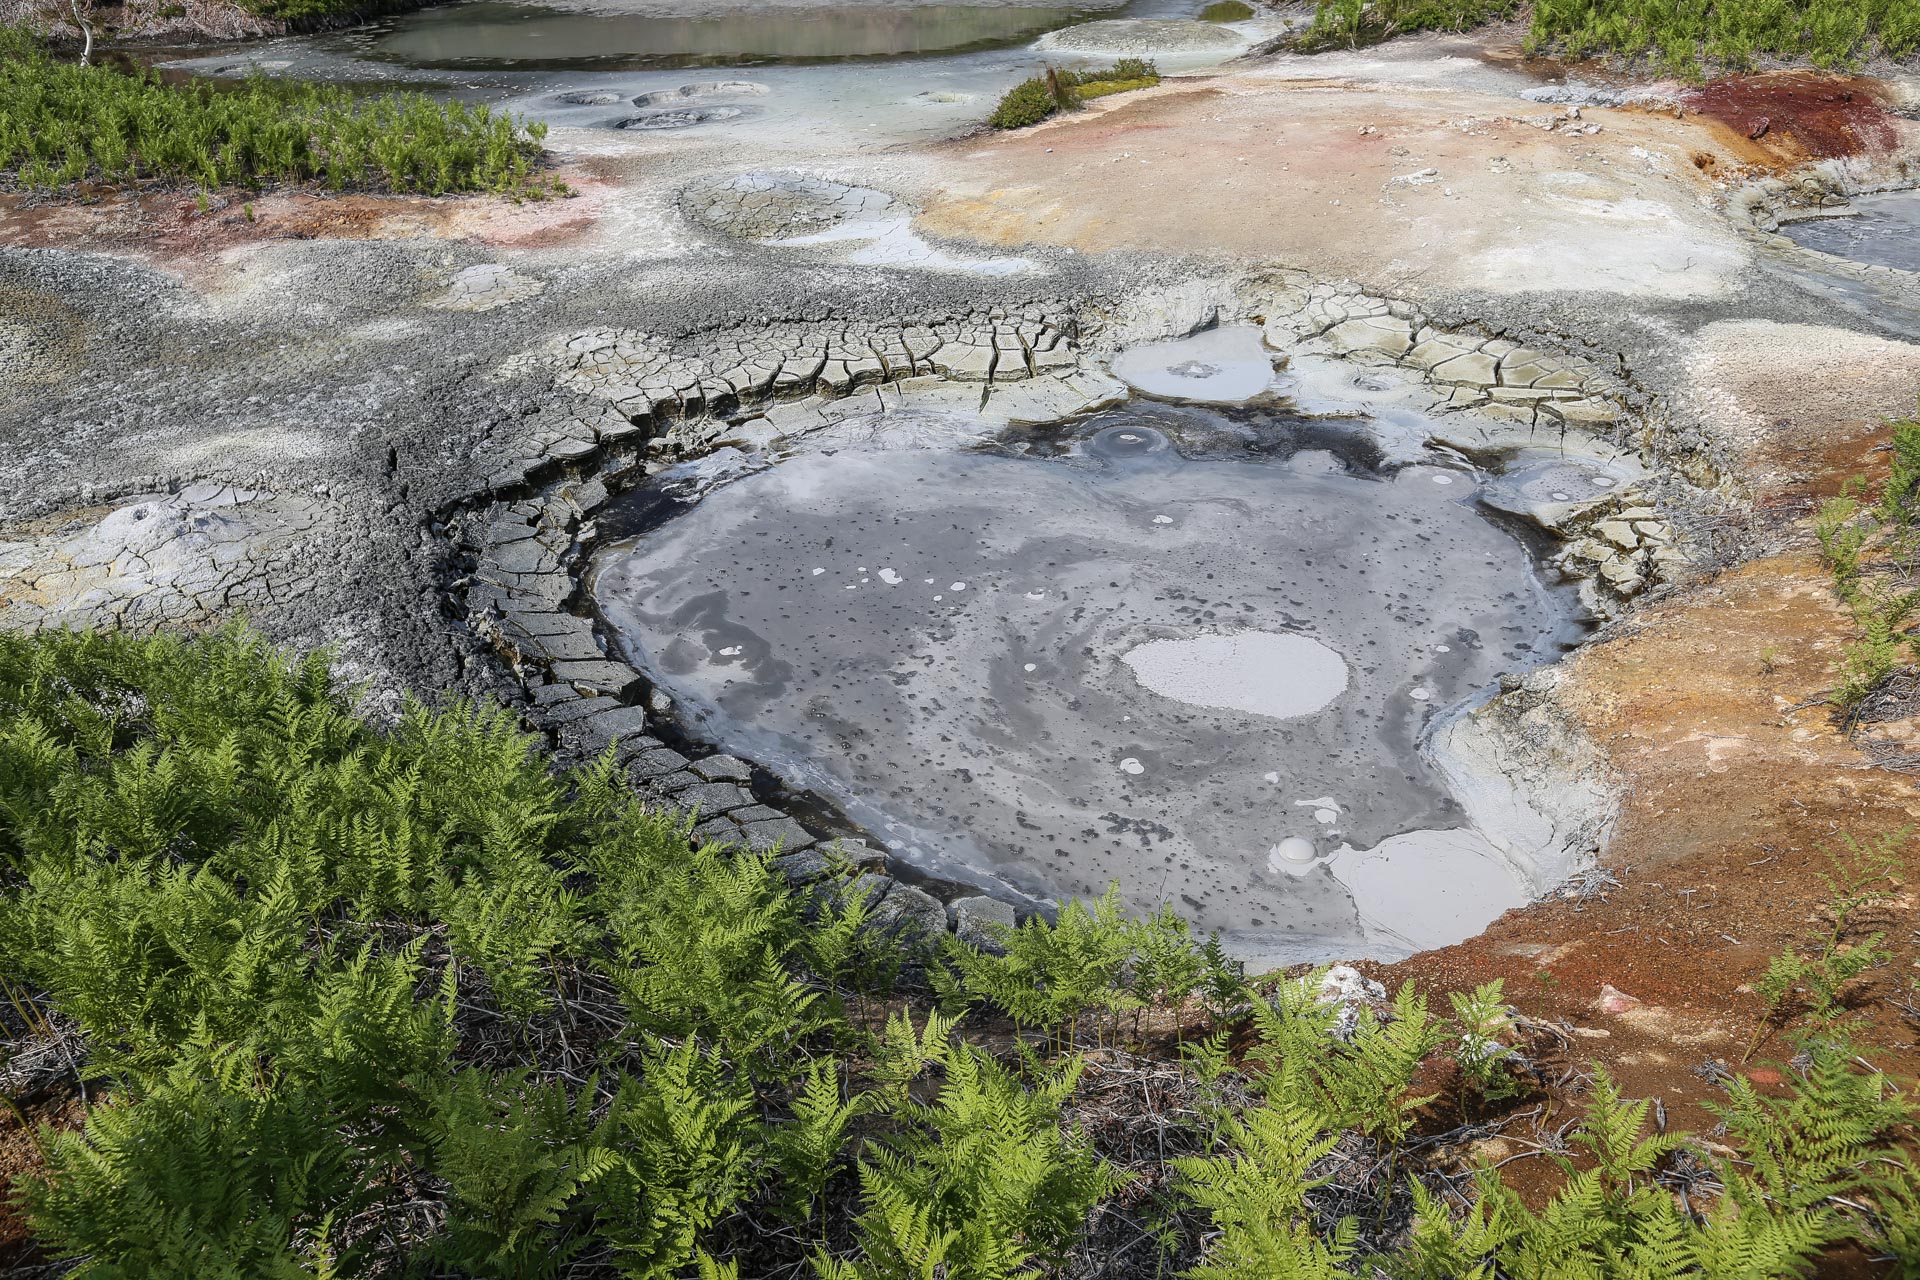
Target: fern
x,y
515,1156
983,1182
686,1145
1052,975
200,1175
1257,1194
809,1149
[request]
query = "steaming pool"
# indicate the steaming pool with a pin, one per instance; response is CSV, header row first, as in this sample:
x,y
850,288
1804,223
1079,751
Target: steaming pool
x,y
1188,650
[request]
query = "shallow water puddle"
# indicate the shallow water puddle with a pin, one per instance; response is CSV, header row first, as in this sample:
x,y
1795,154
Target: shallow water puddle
x,y
1187,651
615,34
1227,365
1885,232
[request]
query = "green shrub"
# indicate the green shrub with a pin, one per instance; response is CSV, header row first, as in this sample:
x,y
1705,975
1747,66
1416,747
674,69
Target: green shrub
x,y
1106,88
1352,22
1485,1060
1028,102
1678,38
515,1155
1032,101
62,124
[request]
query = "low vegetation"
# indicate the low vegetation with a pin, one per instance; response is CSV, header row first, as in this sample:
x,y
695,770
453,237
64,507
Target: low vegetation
x,y
62,124
1811,977
1673,38
1032,101
311,14
350,1002
1872,547
1227,11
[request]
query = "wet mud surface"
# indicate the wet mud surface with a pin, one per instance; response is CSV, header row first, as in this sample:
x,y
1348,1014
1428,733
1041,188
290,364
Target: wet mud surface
x,y
1187,652
1884,231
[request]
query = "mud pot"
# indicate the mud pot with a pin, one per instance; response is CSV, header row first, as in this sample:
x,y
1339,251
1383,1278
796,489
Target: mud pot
x,y
1364,499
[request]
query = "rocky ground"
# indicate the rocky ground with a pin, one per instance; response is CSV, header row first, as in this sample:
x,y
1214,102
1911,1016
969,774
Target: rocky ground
x,y
386,425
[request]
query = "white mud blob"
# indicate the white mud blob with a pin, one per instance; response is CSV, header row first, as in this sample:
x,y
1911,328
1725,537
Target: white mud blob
x,y
679,118
1424,889
486,286
1263,673
705,89
891,241
1060,693
784,209
1228,365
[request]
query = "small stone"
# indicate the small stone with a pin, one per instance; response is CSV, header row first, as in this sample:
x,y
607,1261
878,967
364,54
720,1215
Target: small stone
x,y
1622,575
864,889
615,678
910,913
1619,533
723,831
723,769
570,450
976,921
596,733
580,709
803,867
710,798
628,748
1614,1000
657,763
782,834
855,853
673,783
590,497
546,695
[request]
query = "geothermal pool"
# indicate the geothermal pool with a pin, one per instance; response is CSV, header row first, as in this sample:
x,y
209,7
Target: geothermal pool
x,y
924,70
623,34
1187,650
1884,232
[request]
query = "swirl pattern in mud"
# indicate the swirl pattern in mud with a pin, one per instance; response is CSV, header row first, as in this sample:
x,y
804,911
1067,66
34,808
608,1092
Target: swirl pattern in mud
x,y
999,661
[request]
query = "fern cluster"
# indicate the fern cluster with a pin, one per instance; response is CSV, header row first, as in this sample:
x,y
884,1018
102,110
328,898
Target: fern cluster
x,y
353,1003
1873,552
62,124
1679,37
285,938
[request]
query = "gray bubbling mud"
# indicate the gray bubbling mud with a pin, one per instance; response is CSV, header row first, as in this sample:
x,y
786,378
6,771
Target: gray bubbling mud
x,y
1884,231
938,640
